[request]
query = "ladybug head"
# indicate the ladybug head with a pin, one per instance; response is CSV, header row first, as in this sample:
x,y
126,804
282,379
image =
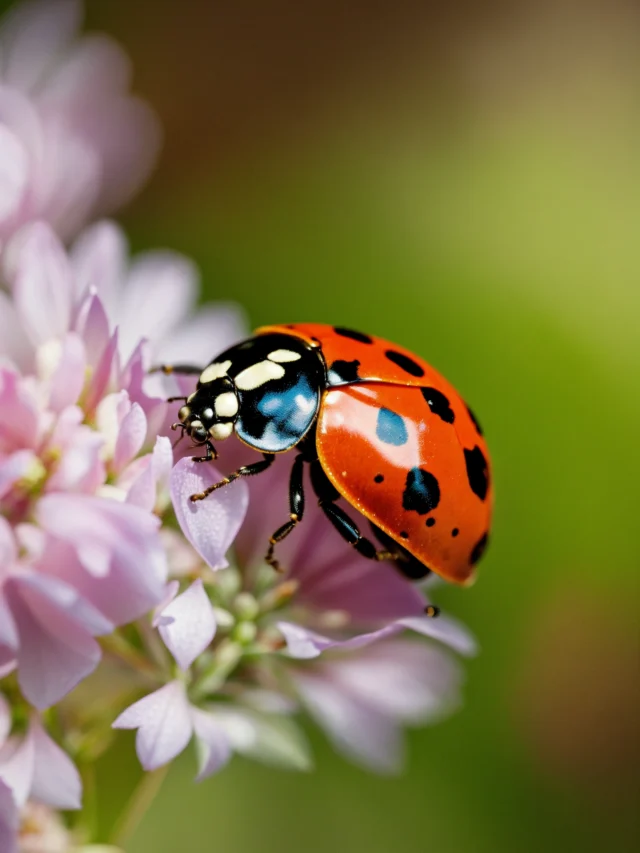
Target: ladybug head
x,y
211,411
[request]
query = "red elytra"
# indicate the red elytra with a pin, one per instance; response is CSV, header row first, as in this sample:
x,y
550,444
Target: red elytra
x,y
400,445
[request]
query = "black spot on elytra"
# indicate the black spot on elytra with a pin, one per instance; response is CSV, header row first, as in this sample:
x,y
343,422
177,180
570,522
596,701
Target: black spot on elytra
x,y
391,428
430,522
477,471
439,404
479,548
379,478
421,492
455,532
341,372
404,362
475,422
353,335
404,534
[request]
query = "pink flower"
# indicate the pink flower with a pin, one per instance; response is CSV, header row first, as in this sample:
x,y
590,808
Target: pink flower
x,y
73,142
363,700
326,636
31,766
166,721
81,467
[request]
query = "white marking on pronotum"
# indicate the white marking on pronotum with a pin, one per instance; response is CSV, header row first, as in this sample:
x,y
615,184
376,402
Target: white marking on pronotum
x,y
214,371
190,398
258,374
283,355
196,424
221,431
226,405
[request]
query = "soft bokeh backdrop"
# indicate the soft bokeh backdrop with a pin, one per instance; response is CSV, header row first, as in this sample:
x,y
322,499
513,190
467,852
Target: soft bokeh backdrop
x,y
465,181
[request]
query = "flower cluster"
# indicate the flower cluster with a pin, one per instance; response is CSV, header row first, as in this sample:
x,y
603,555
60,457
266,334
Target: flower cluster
x,y
123,605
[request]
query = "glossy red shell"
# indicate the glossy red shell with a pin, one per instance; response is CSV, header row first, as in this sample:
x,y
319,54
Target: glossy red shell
x,y
401,446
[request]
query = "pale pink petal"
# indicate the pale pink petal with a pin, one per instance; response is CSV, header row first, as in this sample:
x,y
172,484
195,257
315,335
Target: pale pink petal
x,y
8,634
13,468
66,598
92,324
131,436
43,287
107,368
99,260
155,475
73,177
214,746
32,35
56,781
163,720
210,525
14,173
5,719
409,681
209,331
160,291
17,757
93,69
55,651
19,416
446,629
363,734
68,378
80,468
15,349
127,134
188,625
303,643
129,534
8,820
170,592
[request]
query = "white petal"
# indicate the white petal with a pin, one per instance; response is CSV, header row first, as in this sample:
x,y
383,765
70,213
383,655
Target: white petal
x,y
188,625
163,720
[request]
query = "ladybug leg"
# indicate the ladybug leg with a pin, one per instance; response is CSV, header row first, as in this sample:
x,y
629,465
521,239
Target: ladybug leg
x,y
296,510
405,562
245,471
327,496
181,369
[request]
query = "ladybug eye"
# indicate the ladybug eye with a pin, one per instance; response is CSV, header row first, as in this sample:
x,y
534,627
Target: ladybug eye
x,y
206,415
184,413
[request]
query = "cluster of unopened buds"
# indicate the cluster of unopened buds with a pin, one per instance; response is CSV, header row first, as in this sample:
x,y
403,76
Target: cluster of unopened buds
x,y
123,604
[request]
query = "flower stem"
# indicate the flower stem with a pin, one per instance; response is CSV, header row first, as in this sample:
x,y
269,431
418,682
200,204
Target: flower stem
x,y
138,805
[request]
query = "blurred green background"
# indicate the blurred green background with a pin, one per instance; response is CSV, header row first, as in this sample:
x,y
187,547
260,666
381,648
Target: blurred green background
x,y
464,180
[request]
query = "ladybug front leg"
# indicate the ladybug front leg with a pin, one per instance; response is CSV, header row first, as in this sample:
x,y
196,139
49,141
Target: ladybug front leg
x,y
296,510
245,471
346,527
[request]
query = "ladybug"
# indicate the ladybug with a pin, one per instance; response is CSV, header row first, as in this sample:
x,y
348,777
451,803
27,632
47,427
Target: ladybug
x,y
376,424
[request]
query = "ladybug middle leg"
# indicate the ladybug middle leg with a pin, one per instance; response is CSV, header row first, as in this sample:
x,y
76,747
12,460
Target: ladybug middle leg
x,y
327,496
296,510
